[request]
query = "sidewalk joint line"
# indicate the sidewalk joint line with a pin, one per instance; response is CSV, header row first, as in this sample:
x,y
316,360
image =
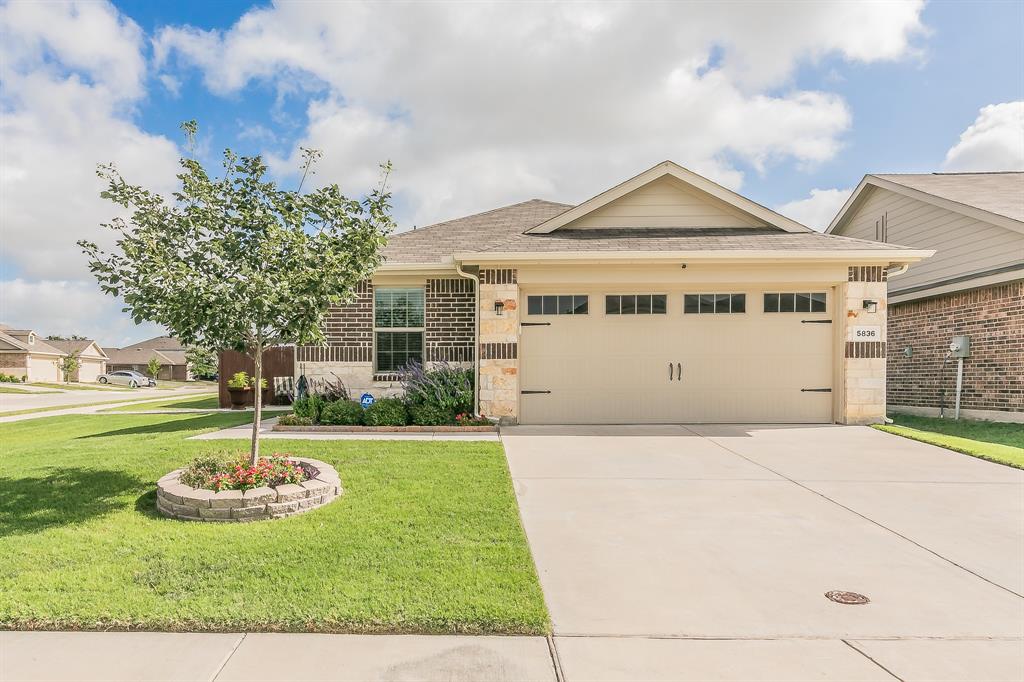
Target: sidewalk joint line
x,y
555,661
228,657
895,676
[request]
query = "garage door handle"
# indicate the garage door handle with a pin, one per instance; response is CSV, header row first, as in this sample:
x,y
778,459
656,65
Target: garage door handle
x,y
670,371
815,390
679,371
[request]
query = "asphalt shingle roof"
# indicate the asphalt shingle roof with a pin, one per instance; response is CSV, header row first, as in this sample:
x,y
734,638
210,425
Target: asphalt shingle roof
x,y
502,230
999,193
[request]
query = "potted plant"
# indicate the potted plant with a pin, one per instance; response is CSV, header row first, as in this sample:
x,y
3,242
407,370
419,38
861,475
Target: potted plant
x,y
239,389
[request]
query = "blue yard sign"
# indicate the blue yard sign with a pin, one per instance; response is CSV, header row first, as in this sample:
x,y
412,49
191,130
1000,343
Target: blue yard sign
x,y
366,400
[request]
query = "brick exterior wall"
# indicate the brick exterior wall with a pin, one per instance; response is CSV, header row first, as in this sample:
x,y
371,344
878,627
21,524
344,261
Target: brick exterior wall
x,y
449,320
349,331
14,360
993,318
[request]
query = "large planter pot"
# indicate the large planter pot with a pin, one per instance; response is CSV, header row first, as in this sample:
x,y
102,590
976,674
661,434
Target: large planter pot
x,y
240,397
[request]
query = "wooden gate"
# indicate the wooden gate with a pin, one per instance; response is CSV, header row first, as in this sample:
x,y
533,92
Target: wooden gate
x,y
277,362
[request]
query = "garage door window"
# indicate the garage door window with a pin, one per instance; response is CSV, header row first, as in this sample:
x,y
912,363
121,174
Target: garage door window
x,y
636,304
558,304
800,302
714,303
398,327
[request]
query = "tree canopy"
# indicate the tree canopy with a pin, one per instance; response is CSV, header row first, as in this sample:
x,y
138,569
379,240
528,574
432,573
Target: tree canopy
x,y
235,262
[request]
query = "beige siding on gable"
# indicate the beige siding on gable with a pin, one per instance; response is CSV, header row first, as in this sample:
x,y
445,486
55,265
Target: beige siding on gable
x,y
962,245
666,202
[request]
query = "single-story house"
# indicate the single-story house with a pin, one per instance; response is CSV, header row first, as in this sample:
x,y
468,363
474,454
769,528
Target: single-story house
x,y
168,351
24,354
973,287
92,360
665,299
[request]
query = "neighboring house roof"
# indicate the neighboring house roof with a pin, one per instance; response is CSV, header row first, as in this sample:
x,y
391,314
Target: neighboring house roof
x,y
159,343
136,356
996,197
549,228
26,340
84,347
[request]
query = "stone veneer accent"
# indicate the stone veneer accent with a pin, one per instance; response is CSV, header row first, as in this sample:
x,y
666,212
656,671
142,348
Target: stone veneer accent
x,y
448,320
499,337
863,370
993,317
177,500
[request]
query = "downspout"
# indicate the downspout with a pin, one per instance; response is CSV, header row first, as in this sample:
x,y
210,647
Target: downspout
x,y
899,270
476,334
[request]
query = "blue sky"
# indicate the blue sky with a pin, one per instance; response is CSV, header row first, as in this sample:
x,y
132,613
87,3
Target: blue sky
x,y
480,105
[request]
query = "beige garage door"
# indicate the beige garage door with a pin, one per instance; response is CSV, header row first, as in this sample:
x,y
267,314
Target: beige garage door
x,y
730,355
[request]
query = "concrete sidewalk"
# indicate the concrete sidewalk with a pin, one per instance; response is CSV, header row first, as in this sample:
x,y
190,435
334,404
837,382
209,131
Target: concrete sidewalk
x,y
190,657
102,400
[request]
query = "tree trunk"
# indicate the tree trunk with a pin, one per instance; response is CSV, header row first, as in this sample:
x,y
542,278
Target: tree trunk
x,y
257,402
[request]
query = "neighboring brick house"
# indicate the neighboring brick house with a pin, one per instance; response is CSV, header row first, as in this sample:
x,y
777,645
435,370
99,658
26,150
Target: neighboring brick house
x,y
24,355
665,299
167,350
973,286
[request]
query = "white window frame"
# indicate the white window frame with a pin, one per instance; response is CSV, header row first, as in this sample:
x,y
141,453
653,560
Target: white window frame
x,y
422,330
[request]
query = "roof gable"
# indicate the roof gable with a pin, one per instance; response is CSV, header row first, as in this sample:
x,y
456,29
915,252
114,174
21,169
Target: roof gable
x,y
668,195
996,198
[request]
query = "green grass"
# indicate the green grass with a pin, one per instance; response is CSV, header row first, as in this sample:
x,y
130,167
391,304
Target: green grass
x,y
81,387
426,537
994,441
136,397
203,402
22,391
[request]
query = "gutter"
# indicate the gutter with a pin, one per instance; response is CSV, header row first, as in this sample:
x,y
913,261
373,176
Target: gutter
x,y
476,334
885,257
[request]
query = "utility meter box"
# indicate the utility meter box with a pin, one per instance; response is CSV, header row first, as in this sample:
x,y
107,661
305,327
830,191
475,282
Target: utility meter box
x,y
960,347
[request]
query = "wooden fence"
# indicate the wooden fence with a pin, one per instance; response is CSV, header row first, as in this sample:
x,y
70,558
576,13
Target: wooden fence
x,y
277,362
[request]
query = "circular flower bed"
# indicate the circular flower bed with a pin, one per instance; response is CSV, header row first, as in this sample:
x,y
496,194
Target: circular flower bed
x,y
320,485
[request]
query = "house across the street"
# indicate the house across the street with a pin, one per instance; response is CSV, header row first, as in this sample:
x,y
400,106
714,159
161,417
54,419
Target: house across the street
x,y
971,291
667,298
167,350
23,353
91,358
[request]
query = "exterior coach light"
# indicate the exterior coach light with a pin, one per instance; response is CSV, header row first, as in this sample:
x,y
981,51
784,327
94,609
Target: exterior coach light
x,y
870,306
499,308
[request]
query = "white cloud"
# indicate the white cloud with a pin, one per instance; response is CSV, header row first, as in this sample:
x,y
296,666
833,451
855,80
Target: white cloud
x,y
817,210
66,110
483,104
994,142
64,308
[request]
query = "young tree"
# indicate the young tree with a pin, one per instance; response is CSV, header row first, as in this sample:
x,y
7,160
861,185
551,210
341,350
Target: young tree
x,y
202,362
153,367
234,262
68,365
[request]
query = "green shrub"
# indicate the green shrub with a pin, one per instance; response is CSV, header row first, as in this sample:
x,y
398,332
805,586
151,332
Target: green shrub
x,y
386,412
308,407
239,380
430,415
203,468
294,420
341,413
443,386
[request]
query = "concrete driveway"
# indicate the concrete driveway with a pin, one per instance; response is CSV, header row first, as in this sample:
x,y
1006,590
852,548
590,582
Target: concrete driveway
x,y
704,552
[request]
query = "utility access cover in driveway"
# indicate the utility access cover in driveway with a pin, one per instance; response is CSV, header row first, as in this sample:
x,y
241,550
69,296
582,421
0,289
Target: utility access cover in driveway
x,y
733,532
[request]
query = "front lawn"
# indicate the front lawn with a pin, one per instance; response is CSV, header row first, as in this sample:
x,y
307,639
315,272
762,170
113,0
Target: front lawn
x,y
426,537
998,442
206,401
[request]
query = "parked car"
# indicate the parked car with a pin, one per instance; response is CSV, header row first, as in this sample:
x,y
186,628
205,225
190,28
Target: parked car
x,y
126,378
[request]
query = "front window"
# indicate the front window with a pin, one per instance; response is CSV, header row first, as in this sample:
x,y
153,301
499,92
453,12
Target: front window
x,y
398,327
